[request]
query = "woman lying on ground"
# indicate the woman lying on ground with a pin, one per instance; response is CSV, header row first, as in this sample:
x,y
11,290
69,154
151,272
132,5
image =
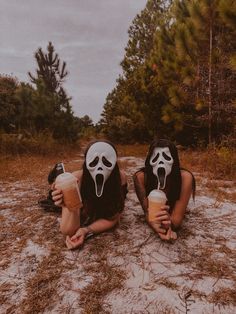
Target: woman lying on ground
x,y
103,188
162,171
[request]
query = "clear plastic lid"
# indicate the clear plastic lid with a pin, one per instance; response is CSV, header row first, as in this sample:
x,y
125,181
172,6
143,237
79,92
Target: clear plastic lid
x,y
65,179
157,196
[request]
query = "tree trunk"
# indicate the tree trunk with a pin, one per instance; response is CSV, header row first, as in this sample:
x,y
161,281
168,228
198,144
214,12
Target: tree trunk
x,y
209,87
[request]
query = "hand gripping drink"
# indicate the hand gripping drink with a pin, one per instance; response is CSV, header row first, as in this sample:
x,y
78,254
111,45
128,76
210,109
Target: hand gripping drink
x,y
156,199
67,182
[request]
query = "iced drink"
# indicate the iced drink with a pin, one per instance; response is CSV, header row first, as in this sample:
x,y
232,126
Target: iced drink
x,y
67,182
156,199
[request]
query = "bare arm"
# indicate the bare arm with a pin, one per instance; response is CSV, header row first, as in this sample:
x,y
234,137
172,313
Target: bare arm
x,y
70,221
179,209
139,187
162,217
96,227
102,225
123,177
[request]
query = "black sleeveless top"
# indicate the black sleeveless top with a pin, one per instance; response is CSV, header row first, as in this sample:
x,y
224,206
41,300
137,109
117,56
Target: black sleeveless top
x,y
102,208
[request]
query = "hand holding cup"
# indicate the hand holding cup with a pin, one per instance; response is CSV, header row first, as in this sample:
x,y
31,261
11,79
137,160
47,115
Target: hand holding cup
x,y
158,215
66,185
156,202
57,196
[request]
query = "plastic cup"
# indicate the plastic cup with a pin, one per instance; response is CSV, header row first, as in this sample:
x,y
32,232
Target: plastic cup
x,y
156,199
67,182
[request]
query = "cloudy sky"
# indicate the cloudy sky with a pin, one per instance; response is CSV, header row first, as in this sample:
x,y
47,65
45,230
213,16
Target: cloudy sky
x,y
90,35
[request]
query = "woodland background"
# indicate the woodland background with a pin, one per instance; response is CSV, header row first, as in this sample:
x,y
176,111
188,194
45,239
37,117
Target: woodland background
x,y
178,82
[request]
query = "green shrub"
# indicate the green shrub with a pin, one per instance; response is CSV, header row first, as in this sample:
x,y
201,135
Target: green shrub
x,y
42,144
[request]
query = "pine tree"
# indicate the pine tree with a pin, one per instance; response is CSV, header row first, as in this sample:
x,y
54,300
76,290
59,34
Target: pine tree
x,y
25,110
8,105
179,80
190,55
141,34
51,73
49,70
215,43
127,104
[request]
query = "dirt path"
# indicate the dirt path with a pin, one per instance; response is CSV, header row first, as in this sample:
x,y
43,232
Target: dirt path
x,y
128,270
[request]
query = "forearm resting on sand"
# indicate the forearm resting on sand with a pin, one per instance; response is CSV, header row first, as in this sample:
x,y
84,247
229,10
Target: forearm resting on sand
x,y
102,225
178,212
140,192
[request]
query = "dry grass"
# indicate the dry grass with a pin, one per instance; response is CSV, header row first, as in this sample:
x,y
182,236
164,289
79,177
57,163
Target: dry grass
x,y
168,283
41,285
40,144
205,262
27,221
160,307
33,168
5,289
106,278
215,163
22,225
210,257
224,296
218,190
41,289
136,150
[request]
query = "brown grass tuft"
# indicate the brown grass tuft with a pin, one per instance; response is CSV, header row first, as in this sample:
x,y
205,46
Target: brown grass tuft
x,y
168,283
224,296
106,278
136,150
41,289
216,163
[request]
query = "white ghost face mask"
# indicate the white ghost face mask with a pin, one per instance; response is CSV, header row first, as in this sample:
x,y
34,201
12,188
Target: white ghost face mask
x,y
161,162
100,161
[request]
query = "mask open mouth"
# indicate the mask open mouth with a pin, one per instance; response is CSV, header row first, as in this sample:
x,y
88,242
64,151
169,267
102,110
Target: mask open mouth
x,y
99,184
161,176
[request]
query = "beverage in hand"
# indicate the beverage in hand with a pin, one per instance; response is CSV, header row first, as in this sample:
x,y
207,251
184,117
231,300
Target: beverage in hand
x,y
67,182
156,199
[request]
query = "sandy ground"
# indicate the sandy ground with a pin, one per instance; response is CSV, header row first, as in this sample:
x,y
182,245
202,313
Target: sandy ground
x,y
128,270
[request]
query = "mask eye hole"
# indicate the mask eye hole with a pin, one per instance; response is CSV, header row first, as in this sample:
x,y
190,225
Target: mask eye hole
x,y
106,162
155,158
168,158
94,162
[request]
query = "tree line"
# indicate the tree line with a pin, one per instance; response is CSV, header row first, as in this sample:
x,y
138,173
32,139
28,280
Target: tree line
x,y
178,75
178,81
42,105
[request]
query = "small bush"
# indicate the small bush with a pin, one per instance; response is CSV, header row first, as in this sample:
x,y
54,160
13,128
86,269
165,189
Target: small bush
x,y
40,144
217,161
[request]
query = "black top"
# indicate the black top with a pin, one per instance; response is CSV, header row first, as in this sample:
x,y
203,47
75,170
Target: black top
x,y
171,199
105,209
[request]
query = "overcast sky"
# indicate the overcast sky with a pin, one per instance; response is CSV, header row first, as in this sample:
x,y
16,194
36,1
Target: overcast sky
x,y
90,35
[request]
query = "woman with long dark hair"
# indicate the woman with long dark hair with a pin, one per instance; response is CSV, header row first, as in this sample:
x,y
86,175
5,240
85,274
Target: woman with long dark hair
x,y
103,188
162,171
